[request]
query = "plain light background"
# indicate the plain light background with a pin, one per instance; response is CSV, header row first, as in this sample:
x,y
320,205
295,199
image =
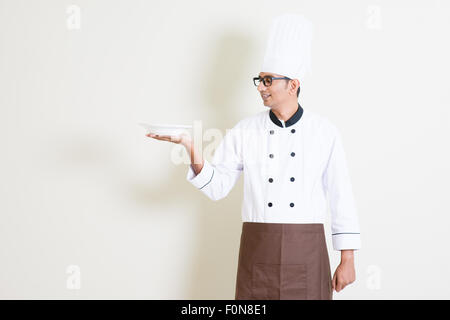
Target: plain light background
x,y
81,184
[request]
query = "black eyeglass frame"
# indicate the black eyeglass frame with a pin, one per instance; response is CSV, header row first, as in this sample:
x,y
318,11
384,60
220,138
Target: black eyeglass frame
x,y
267,78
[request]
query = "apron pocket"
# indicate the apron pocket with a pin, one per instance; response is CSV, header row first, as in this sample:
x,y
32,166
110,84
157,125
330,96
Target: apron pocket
x,y
293,282
275,281
266,281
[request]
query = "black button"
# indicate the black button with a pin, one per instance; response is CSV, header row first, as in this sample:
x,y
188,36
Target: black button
x,y
270,204
292,179
271,155
291,204
292,154
270,180
271,131
293,130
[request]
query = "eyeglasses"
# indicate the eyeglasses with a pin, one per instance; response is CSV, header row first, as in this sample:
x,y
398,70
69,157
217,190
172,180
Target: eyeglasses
x,y
267,80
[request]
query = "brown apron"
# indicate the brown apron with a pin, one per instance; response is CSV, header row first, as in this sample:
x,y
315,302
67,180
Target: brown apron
x,y
280,261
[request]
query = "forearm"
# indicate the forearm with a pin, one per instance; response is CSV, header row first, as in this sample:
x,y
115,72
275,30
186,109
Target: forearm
x,y
347,255
196,158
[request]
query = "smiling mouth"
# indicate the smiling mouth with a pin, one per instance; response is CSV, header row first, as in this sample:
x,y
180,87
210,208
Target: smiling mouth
x,y
265,97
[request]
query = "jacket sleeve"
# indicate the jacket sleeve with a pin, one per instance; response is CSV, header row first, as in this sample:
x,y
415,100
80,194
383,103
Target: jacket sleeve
x,y
216,179
336,181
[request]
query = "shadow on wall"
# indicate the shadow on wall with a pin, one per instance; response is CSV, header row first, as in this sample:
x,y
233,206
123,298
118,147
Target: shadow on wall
x,y
219,222
214,275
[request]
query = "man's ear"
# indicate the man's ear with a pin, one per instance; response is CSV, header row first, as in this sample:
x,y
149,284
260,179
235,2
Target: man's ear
x,y
294,84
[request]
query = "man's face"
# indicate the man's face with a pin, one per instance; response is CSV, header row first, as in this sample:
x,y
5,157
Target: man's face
x,y
277,93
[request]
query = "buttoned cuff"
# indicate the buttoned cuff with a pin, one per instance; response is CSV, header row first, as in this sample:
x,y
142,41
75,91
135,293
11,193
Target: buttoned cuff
x,y
203,178
346,241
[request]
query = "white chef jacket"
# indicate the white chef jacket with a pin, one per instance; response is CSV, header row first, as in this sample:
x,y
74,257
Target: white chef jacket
x,y
289,169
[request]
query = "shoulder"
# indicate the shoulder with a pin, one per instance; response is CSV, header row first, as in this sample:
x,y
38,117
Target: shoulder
x,y
319,123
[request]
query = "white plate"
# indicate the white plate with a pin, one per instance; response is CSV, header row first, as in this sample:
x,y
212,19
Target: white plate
x,y
166,129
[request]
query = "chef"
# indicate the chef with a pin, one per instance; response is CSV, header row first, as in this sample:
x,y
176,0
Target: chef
x,y
294,164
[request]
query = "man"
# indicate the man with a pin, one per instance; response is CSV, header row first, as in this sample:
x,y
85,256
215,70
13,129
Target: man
x,y
291,158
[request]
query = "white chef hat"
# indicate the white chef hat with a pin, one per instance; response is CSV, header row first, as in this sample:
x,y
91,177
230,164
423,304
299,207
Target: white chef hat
x,y
288,50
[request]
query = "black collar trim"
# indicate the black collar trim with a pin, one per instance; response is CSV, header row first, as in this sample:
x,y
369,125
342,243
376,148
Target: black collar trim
x,y
291,121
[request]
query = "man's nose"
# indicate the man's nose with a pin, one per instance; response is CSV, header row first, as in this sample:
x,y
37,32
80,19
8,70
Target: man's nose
x,y
261,87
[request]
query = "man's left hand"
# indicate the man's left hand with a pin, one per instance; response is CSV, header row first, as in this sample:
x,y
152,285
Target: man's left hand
x,y
344,274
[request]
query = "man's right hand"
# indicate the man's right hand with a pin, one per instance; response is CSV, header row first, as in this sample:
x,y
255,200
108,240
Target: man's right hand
x,y
181,139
